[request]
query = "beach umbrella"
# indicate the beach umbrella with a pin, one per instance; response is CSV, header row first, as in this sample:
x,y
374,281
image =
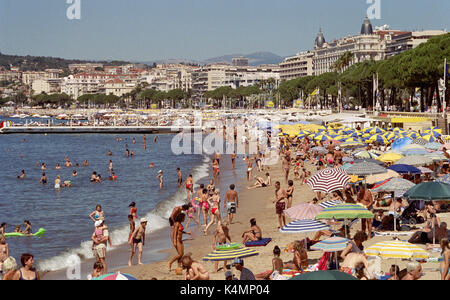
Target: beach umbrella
x,y
377,139
365,154
415,160
404,169
400,143
373,130
324,275
328,180
444,179
115,276
409,152
345,211
434,131
372,179
429,191
332,244
394,184
304,226
319,149
329,203
322,137
429,138
399,130
365,168
419,141
433,146
389,157
303,211
347,159
424,170
397,250
369,160
352,144
436,156
220,255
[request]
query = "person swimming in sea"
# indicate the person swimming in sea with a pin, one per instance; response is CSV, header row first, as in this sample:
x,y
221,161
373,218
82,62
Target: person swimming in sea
x,y
58,166
43,166
85,163
43,179
57,182
74,173
22,175
151,165
160,177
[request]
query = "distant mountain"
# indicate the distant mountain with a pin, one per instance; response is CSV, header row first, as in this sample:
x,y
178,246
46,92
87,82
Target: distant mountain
x,y
254,59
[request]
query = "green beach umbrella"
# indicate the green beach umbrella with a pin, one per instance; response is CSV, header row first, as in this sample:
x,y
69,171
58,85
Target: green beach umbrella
x,y
437,191
345,211
220,255
324,275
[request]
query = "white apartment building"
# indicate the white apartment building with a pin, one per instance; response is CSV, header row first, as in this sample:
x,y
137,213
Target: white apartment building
x,y
166,77
48,86
409,40
30,76
299,65
118,87
211,77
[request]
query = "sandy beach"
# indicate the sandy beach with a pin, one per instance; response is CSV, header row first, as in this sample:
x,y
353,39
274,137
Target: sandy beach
x,y
258,204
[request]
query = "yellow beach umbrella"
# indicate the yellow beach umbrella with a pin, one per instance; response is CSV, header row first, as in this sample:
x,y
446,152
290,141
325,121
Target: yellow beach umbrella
x,y
397,249
390,157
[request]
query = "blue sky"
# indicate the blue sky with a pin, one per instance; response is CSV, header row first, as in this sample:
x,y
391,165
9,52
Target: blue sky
x,y
145,30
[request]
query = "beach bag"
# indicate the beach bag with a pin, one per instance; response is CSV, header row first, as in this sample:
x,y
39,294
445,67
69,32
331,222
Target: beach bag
x,y
323,262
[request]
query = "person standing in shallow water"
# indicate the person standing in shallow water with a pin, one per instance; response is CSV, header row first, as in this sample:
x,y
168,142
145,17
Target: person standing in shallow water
x,y
137,239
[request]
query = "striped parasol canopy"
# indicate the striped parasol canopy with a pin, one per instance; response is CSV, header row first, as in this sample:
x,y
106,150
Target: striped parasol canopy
x,y
332,244
436,156
365,154
365,168
354,144
328,180
433,146
303,211
345,211
435,131
424,170
372,179
376,138
329,203
415,160
373,130
304,226
395,184
219,255
347,159
115,276
429,138
396,249
419,141
410,152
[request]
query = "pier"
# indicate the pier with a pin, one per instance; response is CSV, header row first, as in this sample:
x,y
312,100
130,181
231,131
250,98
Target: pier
x,y
96,129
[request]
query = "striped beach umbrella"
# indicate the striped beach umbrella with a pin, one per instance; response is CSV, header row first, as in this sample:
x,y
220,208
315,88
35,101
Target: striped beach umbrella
x,y
328,180
322,137
115,276
303,211
415,160
419,141
304,226
365,154
378,139
410,152
330,203
433,146
220,255
373,130
429,138
365,168
332,244
434,131
396,249
372,179
436,156
413,135
345,211
394,184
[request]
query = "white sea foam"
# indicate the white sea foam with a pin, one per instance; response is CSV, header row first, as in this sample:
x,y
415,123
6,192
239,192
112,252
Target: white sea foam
x,y
157,219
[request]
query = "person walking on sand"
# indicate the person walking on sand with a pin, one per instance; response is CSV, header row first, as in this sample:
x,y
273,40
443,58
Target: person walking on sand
x,y
233,160
214,202
249,167
280,206
137,239
289,192
177,240
231,203
189,188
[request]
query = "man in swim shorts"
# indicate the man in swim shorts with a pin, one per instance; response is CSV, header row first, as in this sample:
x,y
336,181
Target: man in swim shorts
x,y
137,239
231,203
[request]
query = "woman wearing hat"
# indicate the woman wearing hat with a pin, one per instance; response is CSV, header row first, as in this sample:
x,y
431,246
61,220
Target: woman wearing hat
x,y
100,239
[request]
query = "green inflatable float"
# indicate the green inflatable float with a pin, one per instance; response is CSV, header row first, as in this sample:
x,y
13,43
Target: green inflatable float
x,y
40,232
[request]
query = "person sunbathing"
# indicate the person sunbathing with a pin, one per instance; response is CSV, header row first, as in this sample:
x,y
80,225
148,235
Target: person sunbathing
x,y
260,182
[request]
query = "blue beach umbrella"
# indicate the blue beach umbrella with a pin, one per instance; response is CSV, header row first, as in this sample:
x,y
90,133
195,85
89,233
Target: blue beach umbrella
x,y
304,226
405,169
400,143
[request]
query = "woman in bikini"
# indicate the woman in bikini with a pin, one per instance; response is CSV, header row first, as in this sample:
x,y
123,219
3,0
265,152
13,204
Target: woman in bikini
x,y
97,213
189,188
27,272
289,192
177,239
214,202
445,272
211,187
205,206
300,260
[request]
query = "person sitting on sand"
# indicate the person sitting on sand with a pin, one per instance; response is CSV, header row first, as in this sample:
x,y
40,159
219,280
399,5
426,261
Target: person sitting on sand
x,y
260,182
194,269
253,234
97,272
352,261
277,265
300,260
394,271
414,270
355,245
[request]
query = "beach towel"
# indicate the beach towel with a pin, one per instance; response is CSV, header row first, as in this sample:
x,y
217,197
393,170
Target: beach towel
x,y
323,262
393,233
260,243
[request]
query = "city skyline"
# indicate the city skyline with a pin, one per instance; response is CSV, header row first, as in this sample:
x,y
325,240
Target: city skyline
x,y
195,29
